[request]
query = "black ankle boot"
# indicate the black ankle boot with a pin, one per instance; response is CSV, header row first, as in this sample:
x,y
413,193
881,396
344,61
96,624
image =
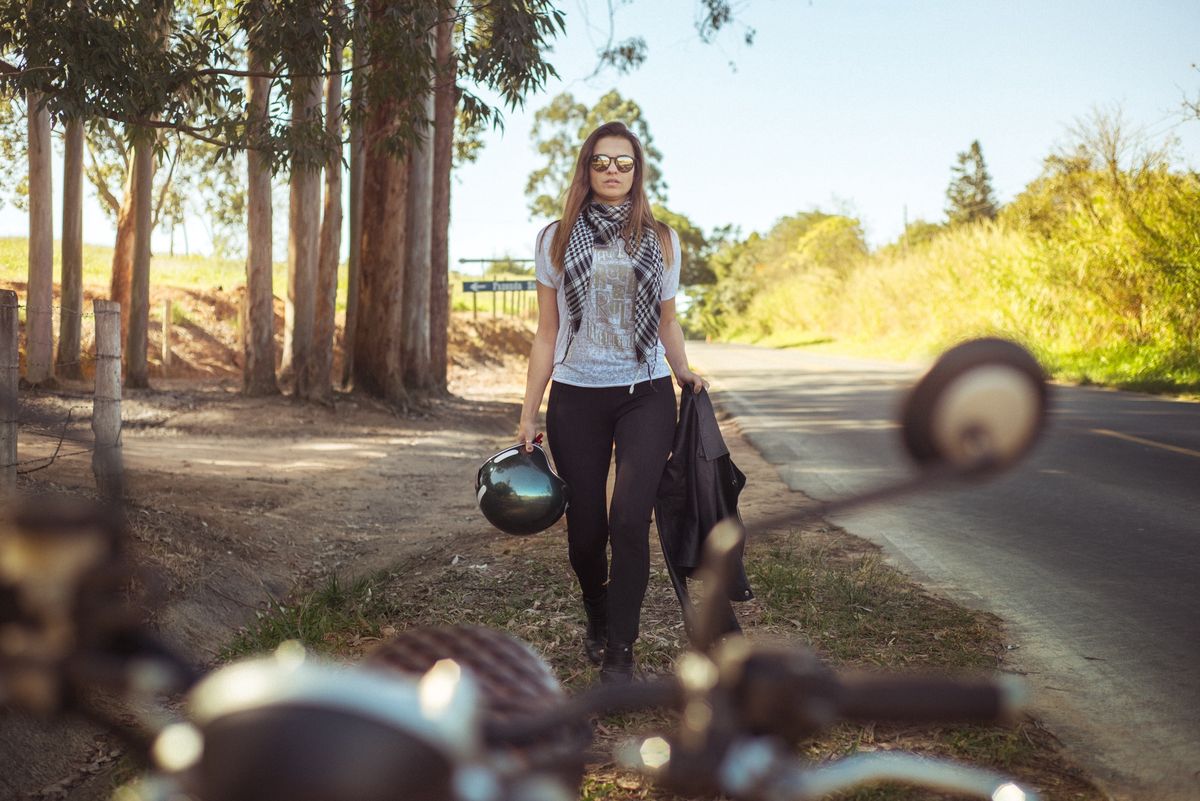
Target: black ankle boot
x,y
597,628
617,667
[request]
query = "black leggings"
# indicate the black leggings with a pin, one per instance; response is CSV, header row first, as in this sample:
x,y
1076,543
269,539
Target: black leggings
x,y
582,424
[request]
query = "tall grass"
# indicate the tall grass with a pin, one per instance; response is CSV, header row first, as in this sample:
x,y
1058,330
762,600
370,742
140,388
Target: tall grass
x,y
191,272
201,273
1098,273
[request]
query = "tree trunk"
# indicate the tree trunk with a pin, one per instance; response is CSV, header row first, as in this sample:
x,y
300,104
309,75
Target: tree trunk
x,y
69,334
137,342
304,229
122,263
258,313
357,93
378,367
39,300
445,100
415,317
320,383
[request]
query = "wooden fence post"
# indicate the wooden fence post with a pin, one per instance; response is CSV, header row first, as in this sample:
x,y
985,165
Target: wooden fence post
x,y
106,401
9,377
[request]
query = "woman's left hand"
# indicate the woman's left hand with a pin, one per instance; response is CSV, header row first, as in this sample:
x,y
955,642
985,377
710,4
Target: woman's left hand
x,y
686,378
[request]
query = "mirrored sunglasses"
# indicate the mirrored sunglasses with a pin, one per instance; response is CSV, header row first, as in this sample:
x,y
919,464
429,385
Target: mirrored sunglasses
x,y
624,163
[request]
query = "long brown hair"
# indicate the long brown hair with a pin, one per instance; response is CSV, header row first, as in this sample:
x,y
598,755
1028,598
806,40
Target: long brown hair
x,y
579,194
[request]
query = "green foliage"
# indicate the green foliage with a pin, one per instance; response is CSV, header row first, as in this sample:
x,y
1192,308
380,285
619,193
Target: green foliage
x,y
507,267
696,249
969,197
810,248
1095,266
13,137
625,56
179,65
126,60
468,139
558,131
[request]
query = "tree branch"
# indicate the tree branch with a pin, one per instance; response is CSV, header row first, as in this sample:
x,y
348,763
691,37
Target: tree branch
x,y
8,70
196,132
101,185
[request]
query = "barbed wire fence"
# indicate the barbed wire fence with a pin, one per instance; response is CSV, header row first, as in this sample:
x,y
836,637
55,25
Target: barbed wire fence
x,y
50,420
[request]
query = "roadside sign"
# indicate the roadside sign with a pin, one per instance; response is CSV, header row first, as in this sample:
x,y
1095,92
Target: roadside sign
x,y
499,286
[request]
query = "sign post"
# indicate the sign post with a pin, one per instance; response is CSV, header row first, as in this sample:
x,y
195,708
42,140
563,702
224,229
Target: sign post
x,y
495,287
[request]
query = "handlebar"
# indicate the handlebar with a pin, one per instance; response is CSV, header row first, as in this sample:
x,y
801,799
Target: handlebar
x,y
930,699
789,693
759,770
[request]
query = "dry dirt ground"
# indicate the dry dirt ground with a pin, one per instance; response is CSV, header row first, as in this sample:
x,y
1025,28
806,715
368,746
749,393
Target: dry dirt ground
x,y
236,500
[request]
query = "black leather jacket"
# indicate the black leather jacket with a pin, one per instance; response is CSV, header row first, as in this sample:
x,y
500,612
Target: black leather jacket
x,y
699,488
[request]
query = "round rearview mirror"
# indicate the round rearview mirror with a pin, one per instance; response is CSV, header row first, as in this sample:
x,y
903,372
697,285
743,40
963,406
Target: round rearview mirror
x,y
980,407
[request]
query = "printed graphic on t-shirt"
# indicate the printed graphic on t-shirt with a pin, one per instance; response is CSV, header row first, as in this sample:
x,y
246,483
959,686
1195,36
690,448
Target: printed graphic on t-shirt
x,y
602,351
614,288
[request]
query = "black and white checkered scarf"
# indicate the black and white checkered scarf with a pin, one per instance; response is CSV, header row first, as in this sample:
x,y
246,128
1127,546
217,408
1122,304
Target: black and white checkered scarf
x,y
600,224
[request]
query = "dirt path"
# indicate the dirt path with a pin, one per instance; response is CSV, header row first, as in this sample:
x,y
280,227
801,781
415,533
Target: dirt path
x,y
235,500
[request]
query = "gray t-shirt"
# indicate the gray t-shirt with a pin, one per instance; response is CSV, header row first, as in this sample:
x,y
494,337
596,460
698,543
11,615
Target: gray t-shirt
x,y
602,353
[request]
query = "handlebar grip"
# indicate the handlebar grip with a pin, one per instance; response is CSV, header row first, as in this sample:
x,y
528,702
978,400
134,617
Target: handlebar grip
x,y
929,699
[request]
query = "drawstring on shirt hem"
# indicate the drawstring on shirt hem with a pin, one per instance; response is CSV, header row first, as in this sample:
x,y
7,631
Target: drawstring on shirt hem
x,y
649,376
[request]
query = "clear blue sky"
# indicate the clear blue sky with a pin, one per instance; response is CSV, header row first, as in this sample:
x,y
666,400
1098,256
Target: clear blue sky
x,y
850,105
842,105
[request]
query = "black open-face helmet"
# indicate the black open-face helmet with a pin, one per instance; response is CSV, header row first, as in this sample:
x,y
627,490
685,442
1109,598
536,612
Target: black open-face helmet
x,y
519,492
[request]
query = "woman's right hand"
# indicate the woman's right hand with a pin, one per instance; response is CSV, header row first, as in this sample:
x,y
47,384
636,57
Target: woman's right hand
x,y
527,433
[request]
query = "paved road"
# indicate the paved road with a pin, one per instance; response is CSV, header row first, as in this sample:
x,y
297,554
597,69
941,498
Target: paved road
x,y
1090,550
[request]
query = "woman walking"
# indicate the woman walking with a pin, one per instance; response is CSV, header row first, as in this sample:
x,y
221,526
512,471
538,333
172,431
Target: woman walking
x,y
607,275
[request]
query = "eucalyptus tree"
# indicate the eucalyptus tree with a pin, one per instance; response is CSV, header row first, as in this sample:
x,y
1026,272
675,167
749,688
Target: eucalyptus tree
x,y
445,100
39,314
191,177
142,63
70,324
501,47
320,379
258,307
153,66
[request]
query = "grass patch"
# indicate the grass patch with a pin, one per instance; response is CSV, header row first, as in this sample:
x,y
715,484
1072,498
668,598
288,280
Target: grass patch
x,y
192,272
330,619
834,595
1138,368
860,612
